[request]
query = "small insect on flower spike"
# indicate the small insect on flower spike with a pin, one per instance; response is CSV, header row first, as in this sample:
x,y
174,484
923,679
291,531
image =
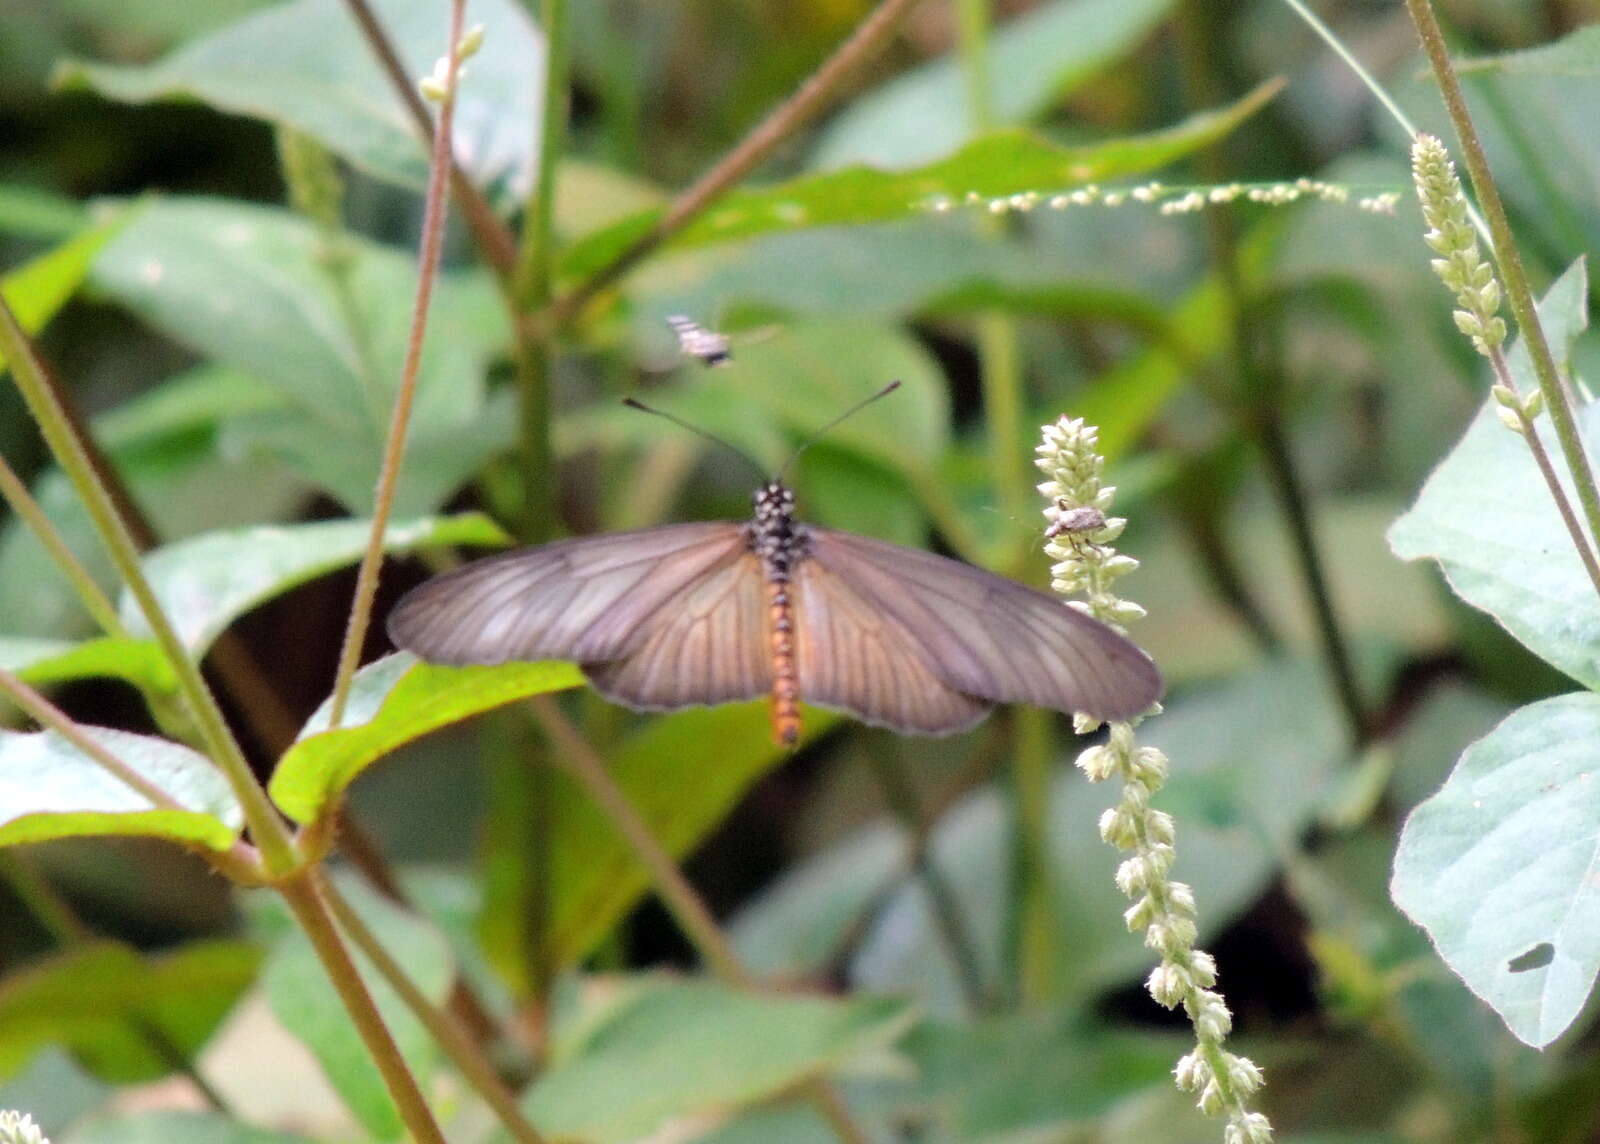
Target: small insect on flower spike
x,y
1080,541
713,612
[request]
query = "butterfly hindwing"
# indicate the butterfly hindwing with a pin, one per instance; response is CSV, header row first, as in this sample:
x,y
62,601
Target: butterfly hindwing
x,y
706,645
988,637
851,655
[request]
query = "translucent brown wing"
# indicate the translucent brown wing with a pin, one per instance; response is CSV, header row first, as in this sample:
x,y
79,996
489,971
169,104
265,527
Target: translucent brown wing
x,y
972,632
593,600
707,644
850,654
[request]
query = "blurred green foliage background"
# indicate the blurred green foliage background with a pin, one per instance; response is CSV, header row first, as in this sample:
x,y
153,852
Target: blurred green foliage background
x,y
1274,384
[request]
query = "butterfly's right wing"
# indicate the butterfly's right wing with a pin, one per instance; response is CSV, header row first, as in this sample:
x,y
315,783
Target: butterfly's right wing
x,y
594,599
853,655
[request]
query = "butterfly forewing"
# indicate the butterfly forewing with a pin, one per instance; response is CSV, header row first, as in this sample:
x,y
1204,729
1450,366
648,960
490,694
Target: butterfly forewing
x,y
851,655
985,636
593,599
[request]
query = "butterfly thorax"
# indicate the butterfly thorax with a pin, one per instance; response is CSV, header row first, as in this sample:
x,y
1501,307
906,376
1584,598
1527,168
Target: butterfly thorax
x,y
779,544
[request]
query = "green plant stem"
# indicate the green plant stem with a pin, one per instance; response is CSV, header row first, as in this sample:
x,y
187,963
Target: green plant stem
x,y
445,1029
808,101
267,828
531,287
583,763
97,603
1034,932
400,420
1547,469
1509,261
942,901
312,912
534,254
241,862
495,242
1257,389
1286,485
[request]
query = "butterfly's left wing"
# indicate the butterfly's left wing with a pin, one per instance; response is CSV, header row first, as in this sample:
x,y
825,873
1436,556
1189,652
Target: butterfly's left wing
x,y
659,618
988,637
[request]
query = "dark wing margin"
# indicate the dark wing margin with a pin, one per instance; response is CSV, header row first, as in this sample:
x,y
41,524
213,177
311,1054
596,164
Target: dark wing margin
x,y
989,637
590,600
851,656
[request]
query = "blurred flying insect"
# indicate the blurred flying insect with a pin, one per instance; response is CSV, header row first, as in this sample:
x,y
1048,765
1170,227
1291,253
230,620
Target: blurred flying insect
x,y
694,340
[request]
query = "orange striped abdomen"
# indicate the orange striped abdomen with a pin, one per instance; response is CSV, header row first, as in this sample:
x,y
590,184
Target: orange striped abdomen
x,y
785,681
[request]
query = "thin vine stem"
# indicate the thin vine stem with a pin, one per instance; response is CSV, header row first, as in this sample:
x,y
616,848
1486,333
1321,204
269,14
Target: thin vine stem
x,y
1509,261
584,764
531,286
28,510
268,830
1258,399
312,911
241,862
493,238
400,420
808,101
1547,469
444,1027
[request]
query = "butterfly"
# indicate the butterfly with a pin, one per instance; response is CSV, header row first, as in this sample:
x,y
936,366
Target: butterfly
x,y
685,615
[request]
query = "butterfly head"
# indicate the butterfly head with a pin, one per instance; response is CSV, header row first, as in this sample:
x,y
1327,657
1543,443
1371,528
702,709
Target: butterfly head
x,y
774,502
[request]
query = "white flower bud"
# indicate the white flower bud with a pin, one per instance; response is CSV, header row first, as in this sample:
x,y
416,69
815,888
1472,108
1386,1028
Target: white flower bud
x,y
1243,1074
1168,985
1192,1071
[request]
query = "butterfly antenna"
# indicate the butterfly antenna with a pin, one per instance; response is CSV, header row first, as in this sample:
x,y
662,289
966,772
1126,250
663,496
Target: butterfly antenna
x,y
632,403
835,423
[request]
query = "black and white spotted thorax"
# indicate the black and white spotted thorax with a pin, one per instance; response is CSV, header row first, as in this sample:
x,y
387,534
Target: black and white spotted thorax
x,y
773,535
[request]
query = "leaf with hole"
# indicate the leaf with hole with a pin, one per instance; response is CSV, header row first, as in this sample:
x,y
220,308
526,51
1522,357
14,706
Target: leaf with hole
x,y
1498,866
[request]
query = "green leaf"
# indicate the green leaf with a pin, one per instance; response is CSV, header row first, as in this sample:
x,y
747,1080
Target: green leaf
x,y
164,442
36,290
1486,508
206,583
660,1051
1575,54
595,877
304,1000
115,1008
1004,162
393,701
37,213
49,789
249,287
305,64
174,1128
1498,866
1250,760
46,663
1034,60
1027,1073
